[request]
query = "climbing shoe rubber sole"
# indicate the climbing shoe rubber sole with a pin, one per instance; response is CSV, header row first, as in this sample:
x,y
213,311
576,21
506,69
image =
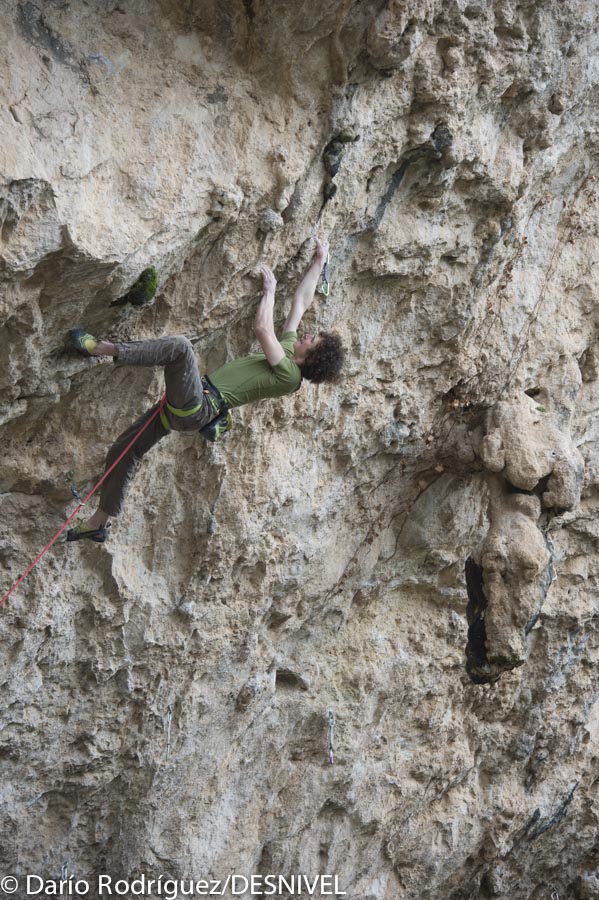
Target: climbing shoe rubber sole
x,y
81,341
97,535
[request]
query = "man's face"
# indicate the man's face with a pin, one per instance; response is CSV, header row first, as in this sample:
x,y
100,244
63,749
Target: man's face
x,y
307,342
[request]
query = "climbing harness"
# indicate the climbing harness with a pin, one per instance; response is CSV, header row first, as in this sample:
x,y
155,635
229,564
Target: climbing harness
x,y
324,285
331,719
223,420
218,426
156,412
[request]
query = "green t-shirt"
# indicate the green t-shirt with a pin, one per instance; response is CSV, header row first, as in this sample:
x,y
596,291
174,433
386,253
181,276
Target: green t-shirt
x,y
253,378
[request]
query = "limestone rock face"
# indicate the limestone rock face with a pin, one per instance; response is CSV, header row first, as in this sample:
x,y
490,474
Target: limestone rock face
x,y
411,555
507,589
529,442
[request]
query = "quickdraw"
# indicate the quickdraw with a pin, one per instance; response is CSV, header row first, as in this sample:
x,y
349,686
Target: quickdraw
x,y
68,479
169,719
324,285
331,719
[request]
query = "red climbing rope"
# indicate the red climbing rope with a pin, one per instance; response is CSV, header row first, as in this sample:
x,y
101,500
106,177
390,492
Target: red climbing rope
x,y
84,501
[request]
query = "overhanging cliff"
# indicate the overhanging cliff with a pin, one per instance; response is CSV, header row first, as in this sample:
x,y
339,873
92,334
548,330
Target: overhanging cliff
x,y
414,550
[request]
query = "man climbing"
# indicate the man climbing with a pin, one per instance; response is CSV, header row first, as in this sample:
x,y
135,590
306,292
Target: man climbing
x,y
193,400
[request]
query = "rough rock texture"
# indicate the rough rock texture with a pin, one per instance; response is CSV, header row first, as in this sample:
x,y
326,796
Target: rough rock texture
x,y
507,589
526,446
415,551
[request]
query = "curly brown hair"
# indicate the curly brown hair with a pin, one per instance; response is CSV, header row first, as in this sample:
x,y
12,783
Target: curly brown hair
x,y
325,361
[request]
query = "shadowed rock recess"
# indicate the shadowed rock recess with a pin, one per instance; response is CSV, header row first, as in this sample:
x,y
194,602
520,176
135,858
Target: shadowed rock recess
x,y
414,550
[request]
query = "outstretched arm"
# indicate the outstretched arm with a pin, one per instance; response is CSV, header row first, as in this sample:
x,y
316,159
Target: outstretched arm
x,y
264,325
304,294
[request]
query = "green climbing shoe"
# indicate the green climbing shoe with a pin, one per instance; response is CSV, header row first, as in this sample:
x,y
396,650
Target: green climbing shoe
x,y
81,341
82,531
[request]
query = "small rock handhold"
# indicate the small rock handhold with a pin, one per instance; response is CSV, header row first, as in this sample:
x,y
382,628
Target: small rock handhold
x,y
185,609
270,221
17,114
453,58
142,292
225,204
332,156
334,150
288,678
347,136
246,695
442,137
474,11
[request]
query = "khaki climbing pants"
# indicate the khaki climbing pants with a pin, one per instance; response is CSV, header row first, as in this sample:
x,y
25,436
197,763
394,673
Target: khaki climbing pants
x,y
184,390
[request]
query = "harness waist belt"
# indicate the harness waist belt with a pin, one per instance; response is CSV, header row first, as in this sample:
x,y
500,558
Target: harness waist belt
x,y
214,397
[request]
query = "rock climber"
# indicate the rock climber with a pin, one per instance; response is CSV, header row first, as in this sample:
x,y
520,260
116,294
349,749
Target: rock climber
x,y
194,401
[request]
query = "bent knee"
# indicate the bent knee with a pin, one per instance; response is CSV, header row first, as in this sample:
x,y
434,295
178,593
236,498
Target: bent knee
x,y
182,344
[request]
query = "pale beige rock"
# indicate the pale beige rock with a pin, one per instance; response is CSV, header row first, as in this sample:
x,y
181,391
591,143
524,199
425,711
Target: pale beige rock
x,y
515,577
315,562
525,443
